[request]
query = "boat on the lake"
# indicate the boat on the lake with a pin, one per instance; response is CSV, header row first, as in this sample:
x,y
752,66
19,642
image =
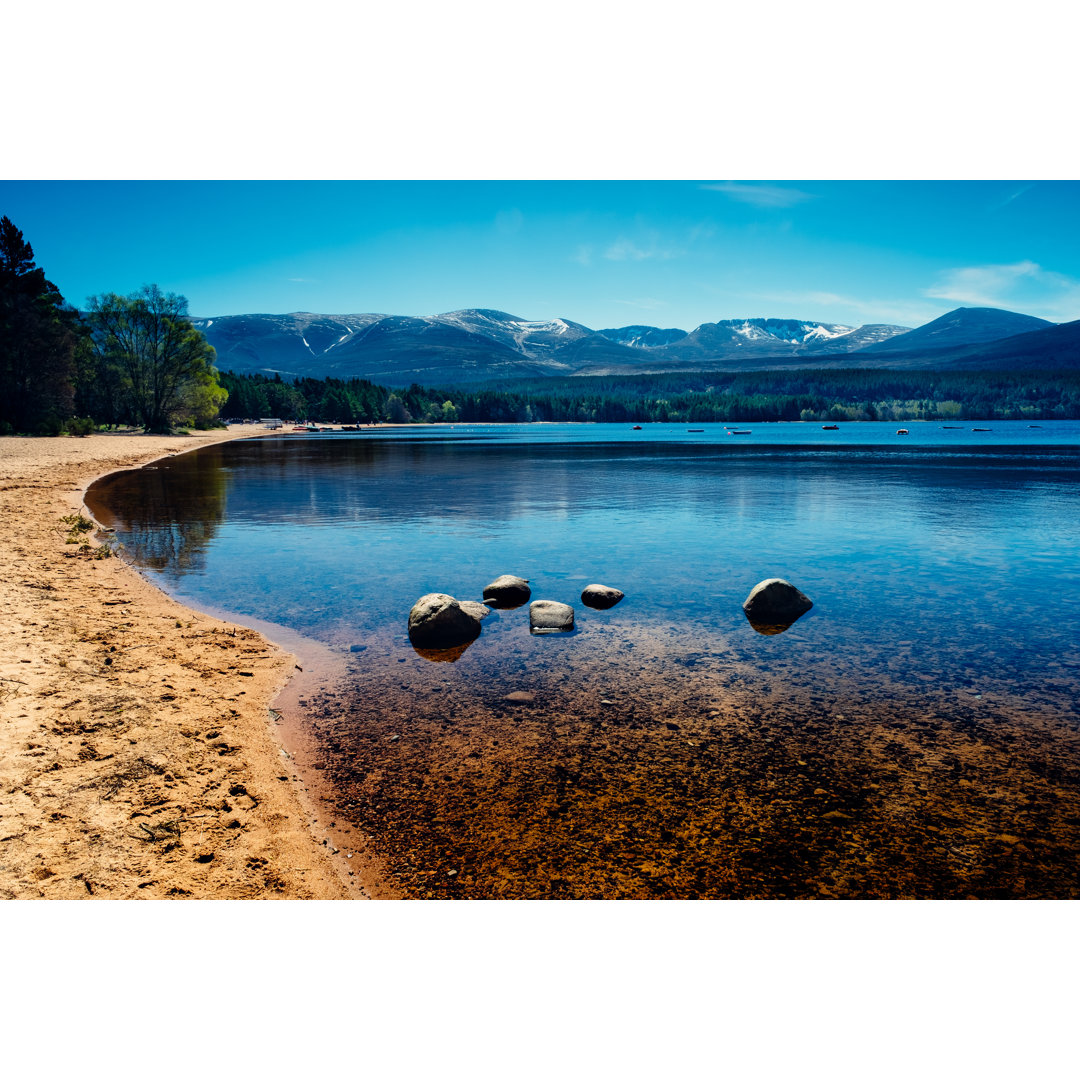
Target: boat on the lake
x,y
696,429
830,427
733,431
902,431
637,427
982,429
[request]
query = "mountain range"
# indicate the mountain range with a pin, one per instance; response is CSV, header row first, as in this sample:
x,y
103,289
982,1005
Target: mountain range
x,y
482,345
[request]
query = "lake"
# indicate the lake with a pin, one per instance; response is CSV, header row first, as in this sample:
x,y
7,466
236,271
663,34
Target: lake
x,y
916,734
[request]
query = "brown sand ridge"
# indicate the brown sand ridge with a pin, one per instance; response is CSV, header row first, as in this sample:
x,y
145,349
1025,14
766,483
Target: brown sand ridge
x,y
137,750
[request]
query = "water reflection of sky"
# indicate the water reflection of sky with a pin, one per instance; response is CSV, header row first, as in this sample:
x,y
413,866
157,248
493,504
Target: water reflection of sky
x,y
337,537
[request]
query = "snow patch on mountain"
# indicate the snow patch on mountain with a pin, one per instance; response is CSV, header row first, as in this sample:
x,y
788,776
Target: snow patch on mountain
x,y
791,331
827,333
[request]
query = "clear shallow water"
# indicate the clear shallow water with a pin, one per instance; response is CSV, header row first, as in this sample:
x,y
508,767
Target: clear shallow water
x,y
670,750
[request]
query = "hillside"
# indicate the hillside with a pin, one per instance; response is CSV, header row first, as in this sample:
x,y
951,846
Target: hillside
x,y
480,344
459,346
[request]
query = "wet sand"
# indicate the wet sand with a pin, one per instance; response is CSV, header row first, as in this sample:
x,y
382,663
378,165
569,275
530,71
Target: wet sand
x,y
138,754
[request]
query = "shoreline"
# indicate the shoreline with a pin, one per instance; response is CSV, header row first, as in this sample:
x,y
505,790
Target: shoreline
x,y
138,754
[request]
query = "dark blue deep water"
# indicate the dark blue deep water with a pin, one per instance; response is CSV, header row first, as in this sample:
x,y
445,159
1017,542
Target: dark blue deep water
x,y
937,673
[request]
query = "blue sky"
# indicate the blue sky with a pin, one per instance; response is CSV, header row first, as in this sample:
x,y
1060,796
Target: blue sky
x,y
665,253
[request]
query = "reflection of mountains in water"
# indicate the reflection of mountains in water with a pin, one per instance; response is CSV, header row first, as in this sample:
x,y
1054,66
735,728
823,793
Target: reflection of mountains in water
x,y
367,481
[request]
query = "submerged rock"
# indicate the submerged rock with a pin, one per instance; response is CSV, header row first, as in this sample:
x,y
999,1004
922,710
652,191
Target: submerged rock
x,y
550,617
437,621
775,604
600,596
520,697
507,591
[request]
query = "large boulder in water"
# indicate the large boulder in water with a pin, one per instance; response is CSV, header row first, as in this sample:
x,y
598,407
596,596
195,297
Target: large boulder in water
x,y
507,591
775,602
600,596
437,621
550,617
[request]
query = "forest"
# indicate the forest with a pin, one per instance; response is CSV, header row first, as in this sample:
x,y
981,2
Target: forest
x,y
133,360
691,397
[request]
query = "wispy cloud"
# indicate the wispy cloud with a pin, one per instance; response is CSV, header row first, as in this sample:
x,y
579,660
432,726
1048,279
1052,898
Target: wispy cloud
x,y
302,280
766,196
983,286
640,243
626,250
1021,286
1012,196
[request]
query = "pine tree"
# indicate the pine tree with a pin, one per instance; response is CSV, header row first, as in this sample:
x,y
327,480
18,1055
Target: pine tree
x,y
39,337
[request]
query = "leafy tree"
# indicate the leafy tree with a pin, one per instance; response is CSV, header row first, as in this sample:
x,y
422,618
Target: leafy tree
x,y
40,337
165,364
396,412
201,401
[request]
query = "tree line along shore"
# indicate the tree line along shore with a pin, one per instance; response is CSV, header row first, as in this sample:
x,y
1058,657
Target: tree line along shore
x,y
694,397
138,361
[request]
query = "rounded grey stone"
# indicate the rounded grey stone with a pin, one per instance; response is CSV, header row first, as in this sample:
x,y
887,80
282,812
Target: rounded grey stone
x,y
508,591
601,596
776,601
438,621
550,617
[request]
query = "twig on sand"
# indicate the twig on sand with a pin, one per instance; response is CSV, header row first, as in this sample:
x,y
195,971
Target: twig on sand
x,y
165,830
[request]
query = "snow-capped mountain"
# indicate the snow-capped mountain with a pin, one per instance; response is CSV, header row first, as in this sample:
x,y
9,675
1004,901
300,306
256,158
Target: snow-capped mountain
x,y
285,343
779,336
478,344
643,337
457,346
740,341
787,331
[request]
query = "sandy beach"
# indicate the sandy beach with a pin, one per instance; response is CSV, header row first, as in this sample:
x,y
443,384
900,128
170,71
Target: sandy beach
x,y
138,756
